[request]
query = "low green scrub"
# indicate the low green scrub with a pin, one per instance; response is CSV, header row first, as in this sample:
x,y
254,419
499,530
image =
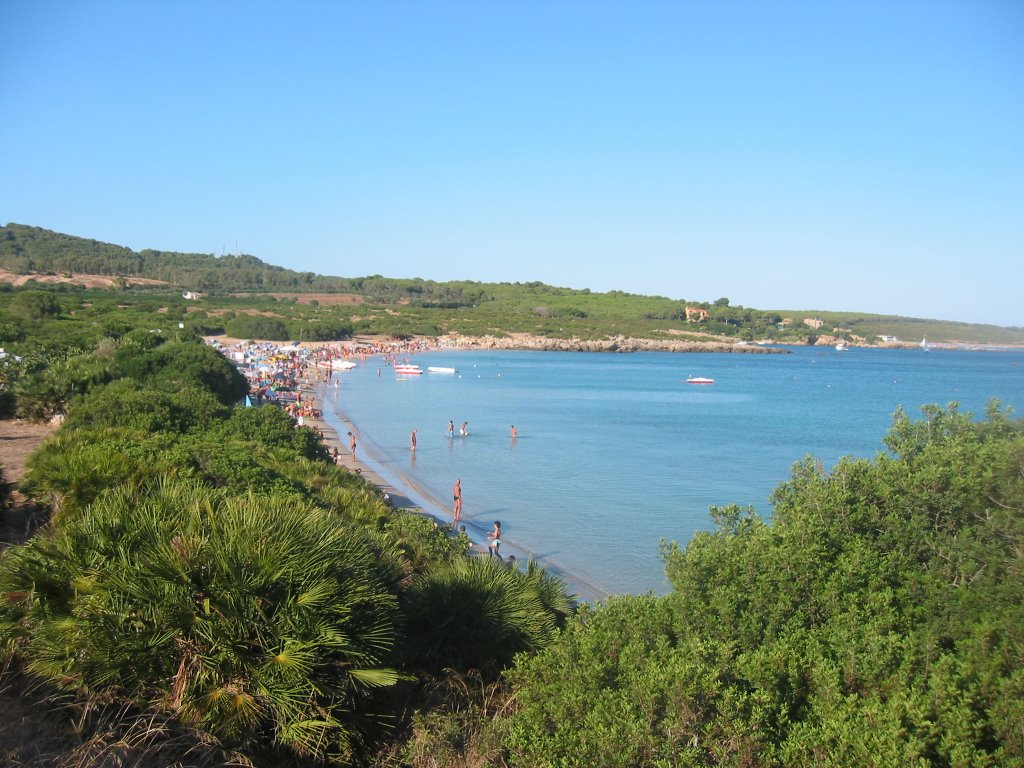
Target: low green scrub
x,y
477,613
256,618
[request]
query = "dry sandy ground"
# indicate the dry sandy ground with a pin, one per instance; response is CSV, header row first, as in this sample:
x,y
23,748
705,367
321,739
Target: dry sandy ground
x,y
18,439
77,278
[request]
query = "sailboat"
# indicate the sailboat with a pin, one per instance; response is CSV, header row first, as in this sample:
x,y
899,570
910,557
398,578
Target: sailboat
x,y
924,344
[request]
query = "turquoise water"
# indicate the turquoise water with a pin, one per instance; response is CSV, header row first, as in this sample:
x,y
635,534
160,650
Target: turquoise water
x,y
616,452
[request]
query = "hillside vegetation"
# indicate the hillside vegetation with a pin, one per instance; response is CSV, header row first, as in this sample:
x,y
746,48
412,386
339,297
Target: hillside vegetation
x,y
242,284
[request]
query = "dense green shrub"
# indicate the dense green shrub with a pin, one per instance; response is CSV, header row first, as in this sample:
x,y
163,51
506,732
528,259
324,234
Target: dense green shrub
x,y
477,613
35,305
130,405
176,365
877,620
257,327
622,687
272,428
204,327
257,618
238,467
47,391
324,329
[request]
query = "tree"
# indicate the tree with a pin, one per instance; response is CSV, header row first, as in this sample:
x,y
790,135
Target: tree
x,y
35,305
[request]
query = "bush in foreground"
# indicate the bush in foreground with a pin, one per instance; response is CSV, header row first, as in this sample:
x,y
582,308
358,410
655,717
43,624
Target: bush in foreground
x,y
259,620
877,620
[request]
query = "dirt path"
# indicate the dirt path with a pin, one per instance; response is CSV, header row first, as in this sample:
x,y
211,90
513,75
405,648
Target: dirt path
x,y
18,439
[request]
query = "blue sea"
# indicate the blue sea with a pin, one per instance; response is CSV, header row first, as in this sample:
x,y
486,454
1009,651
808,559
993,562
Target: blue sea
x,y
615,452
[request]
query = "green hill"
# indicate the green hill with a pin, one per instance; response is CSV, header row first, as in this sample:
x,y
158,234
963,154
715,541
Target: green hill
x,y
413,305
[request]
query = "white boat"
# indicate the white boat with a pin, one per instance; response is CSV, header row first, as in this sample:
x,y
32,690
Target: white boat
x,y
924,344
699,380
841,346
342,365
408,369
440,369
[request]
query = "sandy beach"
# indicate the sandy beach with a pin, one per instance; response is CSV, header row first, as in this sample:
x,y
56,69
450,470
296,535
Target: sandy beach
x,y
335,436
332,439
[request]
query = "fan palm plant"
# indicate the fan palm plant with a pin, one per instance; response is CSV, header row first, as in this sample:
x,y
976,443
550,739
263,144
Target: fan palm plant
x,y
476,613
410,541
259,619
68,473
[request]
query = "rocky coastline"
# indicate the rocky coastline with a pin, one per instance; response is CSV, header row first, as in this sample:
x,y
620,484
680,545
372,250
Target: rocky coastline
x,y
522,341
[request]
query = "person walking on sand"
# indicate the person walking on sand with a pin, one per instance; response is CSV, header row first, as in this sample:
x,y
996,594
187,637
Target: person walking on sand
x,y
457,498
494,545
352,445
412,440
451,428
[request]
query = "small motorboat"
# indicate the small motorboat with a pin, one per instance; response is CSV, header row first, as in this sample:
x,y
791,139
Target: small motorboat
x,y
699,380
441,369
408,369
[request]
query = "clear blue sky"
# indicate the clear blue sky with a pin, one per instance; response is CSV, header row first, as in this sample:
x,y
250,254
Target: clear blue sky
x,y
786,155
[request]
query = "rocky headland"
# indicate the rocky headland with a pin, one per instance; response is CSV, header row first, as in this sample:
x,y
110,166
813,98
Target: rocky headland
x,y
525,341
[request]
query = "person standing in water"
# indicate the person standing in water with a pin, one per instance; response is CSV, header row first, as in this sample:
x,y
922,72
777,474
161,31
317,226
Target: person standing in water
x,y
451,428
457,498
464,430
515,432
494,545
412,440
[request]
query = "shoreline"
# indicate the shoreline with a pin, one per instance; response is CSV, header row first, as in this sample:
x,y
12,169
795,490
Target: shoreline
x,y
333,422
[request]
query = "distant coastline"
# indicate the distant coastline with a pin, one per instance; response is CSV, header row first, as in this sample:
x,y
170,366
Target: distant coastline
x,y
377,344
380,344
